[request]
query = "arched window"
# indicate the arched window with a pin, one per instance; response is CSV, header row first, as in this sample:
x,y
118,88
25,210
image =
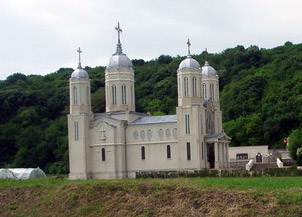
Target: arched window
x,y
194,86
187,124
186,86
87,95
103,154
200,87
123,94
168,151
131,95
76,131
217,92
201,126
212,91
188,151
202,151
113,94
178,86
143,152
204,91
75,95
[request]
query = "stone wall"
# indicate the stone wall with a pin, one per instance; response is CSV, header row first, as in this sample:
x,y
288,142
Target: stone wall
x,y
238,164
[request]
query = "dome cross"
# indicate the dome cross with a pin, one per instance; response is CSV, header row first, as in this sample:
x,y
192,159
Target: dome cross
x,y
79,51
119,31
206,52
189,45
118,45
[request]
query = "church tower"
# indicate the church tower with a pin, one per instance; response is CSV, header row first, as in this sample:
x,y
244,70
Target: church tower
x,y
79,122
189,79
190,113
79,87
119,80
210,98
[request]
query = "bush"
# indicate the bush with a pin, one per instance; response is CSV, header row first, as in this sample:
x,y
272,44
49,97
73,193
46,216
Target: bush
x,y
299,156
269,172
295,142
57,168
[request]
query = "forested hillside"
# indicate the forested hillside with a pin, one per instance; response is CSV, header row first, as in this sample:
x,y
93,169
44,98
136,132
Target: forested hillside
x,y
260,89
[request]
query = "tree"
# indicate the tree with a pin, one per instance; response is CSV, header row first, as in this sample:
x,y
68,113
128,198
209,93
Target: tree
x,y
295,142
164,59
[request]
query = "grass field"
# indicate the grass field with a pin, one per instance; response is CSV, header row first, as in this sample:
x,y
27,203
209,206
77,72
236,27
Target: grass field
x,y
259,196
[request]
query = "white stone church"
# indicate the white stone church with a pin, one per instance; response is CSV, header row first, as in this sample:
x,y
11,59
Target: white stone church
x,y
121,141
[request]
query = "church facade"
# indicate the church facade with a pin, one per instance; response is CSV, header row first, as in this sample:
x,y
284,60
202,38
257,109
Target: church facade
x,y
121,141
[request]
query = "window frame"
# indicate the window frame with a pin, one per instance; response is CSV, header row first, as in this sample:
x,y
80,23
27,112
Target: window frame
x,y
75,95
188,151
76,131
168,152
103,154
143,153
113,89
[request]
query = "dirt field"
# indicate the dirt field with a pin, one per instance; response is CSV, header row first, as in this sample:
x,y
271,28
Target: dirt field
x,y
151,197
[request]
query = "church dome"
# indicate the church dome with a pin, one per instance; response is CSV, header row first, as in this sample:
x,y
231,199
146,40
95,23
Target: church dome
x,y
79,73
119,60
189,63
208,70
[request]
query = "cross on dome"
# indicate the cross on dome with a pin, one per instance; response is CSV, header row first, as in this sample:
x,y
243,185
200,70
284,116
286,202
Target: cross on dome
x,y
189,44
119,45
119,31
79,51
206,51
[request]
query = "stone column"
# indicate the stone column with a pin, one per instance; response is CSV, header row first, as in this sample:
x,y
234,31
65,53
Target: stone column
x,y
216,147
223,155
227,154
205,151
204,154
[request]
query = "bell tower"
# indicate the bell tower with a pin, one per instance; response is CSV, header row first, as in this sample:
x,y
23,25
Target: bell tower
x,y
190,114
79,122
188,81
210,98
79,88
119,80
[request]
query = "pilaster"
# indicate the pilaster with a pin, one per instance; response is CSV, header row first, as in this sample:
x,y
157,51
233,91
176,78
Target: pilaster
x,y
216,150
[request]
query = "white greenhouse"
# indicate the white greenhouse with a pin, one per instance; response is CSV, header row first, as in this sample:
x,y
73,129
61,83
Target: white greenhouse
x,y
21,173
7,174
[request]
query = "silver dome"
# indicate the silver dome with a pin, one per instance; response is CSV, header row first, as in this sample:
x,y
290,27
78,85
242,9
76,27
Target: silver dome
x,y
208,70
79,73
189,63
119,60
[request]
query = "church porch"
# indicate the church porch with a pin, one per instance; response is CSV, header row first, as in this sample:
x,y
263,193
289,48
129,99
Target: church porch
x,y
217,151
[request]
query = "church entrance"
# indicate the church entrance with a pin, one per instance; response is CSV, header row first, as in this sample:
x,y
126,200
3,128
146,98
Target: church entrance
x,y
258,157
211,155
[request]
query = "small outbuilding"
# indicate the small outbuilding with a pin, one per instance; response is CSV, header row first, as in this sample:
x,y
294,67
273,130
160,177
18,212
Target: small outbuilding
x,y
7,174
22,173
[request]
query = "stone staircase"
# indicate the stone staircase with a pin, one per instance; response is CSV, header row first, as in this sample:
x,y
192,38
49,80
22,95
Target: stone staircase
x,y
262,166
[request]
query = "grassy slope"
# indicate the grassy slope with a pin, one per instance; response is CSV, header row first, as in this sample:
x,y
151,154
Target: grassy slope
x,y
153,197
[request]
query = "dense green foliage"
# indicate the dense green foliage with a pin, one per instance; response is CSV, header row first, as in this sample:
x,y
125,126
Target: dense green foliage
x,y
33,122
294,144
261,101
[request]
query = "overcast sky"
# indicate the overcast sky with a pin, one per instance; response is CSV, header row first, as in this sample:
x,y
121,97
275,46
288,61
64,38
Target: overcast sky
x,y
41,36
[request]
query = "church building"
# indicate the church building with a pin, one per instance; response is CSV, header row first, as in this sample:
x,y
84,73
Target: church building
x,y
121,141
